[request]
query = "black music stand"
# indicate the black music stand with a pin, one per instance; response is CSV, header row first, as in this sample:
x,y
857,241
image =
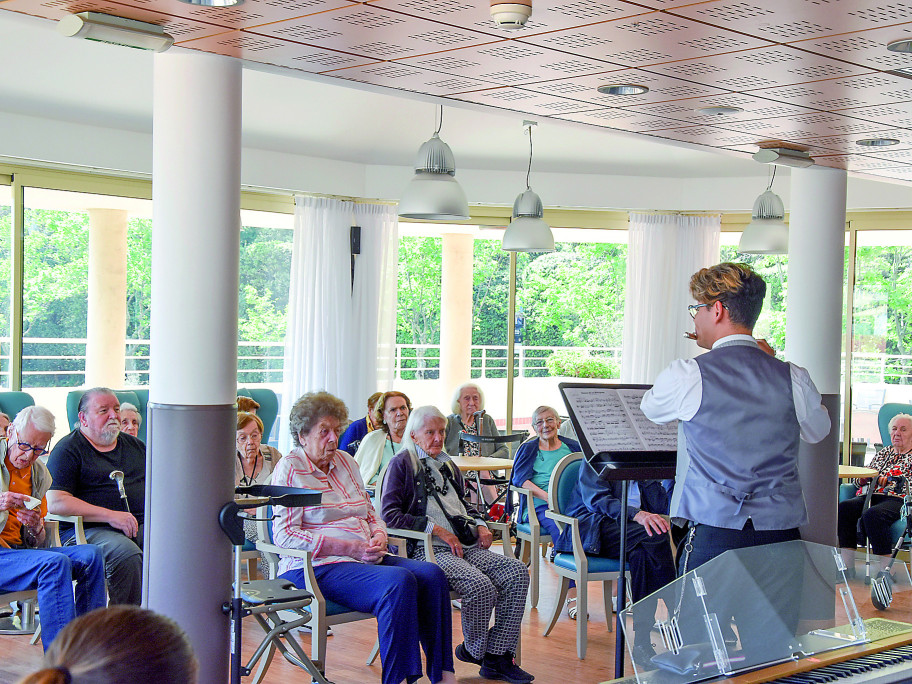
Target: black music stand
x,y
516,437
271,591
631,462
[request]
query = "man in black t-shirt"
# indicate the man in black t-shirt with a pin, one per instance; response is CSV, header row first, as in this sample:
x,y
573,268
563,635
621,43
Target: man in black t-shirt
x,y
81,465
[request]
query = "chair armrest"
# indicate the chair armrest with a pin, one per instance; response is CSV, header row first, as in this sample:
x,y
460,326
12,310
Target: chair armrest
x,y
504,536
530,504
310,581
579,555
424,537
77,522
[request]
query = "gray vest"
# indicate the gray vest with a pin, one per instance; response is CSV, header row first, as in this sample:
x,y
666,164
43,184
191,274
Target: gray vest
x,y
742,444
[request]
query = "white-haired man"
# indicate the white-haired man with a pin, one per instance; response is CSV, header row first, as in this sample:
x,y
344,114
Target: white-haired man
x,y
24,480
82,464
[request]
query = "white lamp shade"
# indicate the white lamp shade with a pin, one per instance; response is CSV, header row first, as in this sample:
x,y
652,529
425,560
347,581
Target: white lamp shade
x,y
434,197
764,236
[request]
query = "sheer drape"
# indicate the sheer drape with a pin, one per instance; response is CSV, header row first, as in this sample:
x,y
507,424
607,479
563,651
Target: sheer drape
x,y
663,252
333,340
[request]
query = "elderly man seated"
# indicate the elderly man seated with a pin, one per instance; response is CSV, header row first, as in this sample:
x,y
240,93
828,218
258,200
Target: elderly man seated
x,y
423,491
597,505
83,465
23,566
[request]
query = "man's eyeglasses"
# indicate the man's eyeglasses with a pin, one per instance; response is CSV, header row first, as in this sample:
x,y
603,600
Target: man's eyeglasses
x,y
693,308
543,421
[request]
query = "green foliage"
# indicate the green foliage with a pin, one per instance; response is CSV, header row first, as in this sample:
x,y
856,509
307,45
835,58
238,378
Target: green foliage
x,y
574,364
774,270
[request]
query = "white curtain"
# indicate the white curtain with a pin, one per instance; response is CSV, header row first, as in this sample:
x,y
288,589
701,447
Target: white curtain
x,y
374,301
663,252
337,338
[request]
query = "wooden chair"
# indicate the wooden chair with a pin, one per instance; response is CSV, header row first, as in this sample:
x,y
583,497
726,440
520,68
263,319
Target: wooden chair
x,y
531,539
576,566
325,613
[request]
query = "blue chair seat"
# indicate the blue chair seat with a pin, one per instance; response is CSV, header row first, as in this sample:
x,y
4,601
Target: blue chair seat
x,y
524,527
596,563
332,608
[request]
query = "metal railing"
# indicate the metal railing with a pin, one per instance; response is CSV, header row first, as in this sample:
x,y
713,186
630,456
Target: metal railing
x,y
60,362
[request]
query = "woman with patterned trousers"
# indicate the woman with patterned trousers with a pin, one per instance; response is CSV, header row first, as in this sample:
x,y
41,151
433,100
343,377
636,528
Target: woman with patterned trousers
x,y
410,599
423,491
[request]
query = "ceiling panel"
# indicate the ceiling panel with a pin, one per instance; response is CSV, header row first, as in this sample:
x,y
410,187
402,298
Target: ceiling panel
x,y
813,73
651,38
509,62
789,20
548,15
373,32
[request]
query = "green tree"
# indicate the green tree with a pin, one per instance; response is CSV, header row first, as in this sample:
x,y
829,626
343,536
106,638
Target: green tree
x,y
419,298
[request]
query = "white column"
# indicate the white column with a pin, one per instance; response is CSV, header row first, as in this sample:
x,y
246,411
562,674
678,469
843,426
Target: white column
x,y
107,315
456,311
193,367
813,330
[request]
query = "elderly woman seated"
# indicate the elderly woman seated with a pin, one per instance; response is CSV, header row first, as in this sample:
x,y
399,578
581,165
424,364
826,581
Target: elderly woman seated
x,y
423,491
468,399
391,412
130,419
254,460
358,430
410,599
854,523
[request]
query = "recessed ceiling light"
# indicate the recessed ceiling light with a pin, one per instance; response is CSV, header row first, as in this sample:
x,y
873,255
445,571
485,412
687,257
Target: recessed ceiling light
x,y
903,45
623,89
719,111
877,142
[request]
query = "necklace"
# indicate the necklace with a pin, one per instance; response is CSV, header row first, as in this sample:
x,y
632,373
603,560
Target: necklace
x,y
441,489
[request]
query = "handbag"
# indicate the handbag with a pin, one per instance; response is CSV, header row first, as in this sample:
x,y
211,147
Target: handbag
x,y
464,527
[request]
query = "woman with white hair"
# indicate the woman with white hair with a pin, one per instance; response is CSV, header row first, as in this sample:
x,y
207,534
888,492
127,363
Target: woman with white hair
x,y
854,523
130,419
468,399
424,491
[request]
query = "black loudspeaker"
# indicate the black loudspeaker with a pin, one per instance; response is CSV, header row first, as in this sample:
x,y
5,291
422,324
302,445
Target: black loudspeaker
x,y
355,235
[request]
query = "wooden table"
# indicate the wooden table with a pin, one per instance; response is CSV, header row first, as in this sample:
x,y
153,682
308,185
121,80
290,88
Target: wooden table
x,y
467,465
848,472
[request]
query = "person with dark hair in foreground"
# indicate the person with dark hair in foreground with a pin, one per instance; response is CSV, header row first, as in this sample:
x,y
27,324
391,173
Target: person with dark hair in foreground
x,y
118,644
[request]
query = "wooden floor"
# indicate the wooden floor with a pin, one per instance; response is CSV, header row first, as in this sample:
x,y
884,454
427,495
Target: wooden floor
x,y
551,659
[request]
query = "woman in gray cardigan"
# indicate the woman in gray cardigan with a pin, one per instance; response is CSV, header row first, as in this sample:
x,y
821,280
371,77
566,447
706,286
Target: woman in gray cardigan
x,y
468,399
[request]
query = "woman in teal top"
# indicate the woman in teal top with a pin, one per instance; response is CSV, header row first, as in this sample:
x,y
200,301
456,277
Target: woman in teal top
x,y
535,460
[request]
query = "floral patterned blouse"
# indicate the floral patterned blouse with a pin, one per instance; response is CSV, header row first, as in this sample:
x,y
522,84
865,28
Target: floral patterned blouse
x,y
889,463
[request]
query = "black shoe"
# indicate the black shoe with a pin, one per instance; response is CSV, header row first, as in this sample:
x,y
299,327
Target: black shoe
x,y
462,653
503,667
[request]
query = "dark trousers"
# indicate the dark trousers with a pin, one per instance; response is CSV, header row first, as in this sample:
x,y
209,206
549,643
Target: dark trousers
x,y
874,524
762,575
651,567
123,560
411,601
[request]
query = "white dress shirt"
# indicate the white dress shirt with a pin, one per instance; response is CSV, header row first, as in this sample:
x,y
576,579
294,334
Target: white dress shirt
x,y
678,392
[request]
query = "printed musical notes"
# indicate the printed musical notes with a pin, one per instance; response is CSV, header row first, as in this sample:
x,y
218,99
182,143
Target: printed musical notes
x,y
611,420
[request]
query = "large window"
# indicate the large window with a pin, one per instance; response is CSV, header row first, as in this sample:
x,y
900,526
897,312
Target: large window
x,y
6,224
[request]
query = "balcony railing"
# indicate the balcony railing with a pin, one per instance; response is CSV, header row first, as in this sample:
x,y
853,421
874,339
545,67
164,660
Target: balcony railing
x,y
60,362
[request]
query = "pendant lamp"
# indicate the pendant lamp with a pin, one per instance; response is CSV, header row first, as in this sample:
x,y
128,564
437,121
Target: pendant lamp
x,y
528,231
433,194
767,232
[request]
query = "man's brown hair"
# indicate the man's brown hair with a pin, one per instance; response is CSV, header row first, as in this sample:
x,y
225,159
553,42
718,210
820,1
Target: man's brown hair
x,y
737,286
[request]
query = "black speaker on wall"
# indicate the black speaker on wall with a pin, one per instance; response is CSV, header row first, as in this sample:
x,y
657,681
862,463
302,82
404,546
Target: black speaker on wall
x,y
355,240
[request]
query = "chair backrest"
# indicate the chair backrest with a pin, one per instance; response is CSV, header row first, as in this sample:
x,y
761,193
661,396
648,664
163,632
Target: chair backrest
x,y
885,414
13,402
139,398
564,479
269,406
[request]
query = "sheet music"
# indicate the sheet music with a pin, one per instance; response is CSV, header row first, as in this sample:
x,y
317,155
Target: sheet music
x,y
611,420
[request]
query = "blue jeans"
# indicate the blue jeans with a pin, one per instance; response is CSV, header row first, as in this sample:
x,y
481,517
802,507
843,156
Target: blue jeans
x,y
51,572
411,601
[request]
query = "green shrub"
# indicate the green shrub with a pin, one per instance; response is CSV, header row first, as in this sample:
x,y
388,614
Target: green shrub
x,y
574,364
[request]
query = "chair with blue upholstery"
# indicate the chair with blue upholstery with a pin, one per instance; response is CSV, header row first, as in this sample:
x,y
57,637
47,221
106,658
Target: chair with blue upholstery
x,y
531,539
576,566
13,402
269,406
325,613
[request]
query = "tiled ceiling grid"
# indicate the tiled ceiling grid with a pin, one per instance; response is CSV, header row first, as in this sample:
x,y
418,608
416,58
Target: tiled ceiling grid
x,y
814,73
